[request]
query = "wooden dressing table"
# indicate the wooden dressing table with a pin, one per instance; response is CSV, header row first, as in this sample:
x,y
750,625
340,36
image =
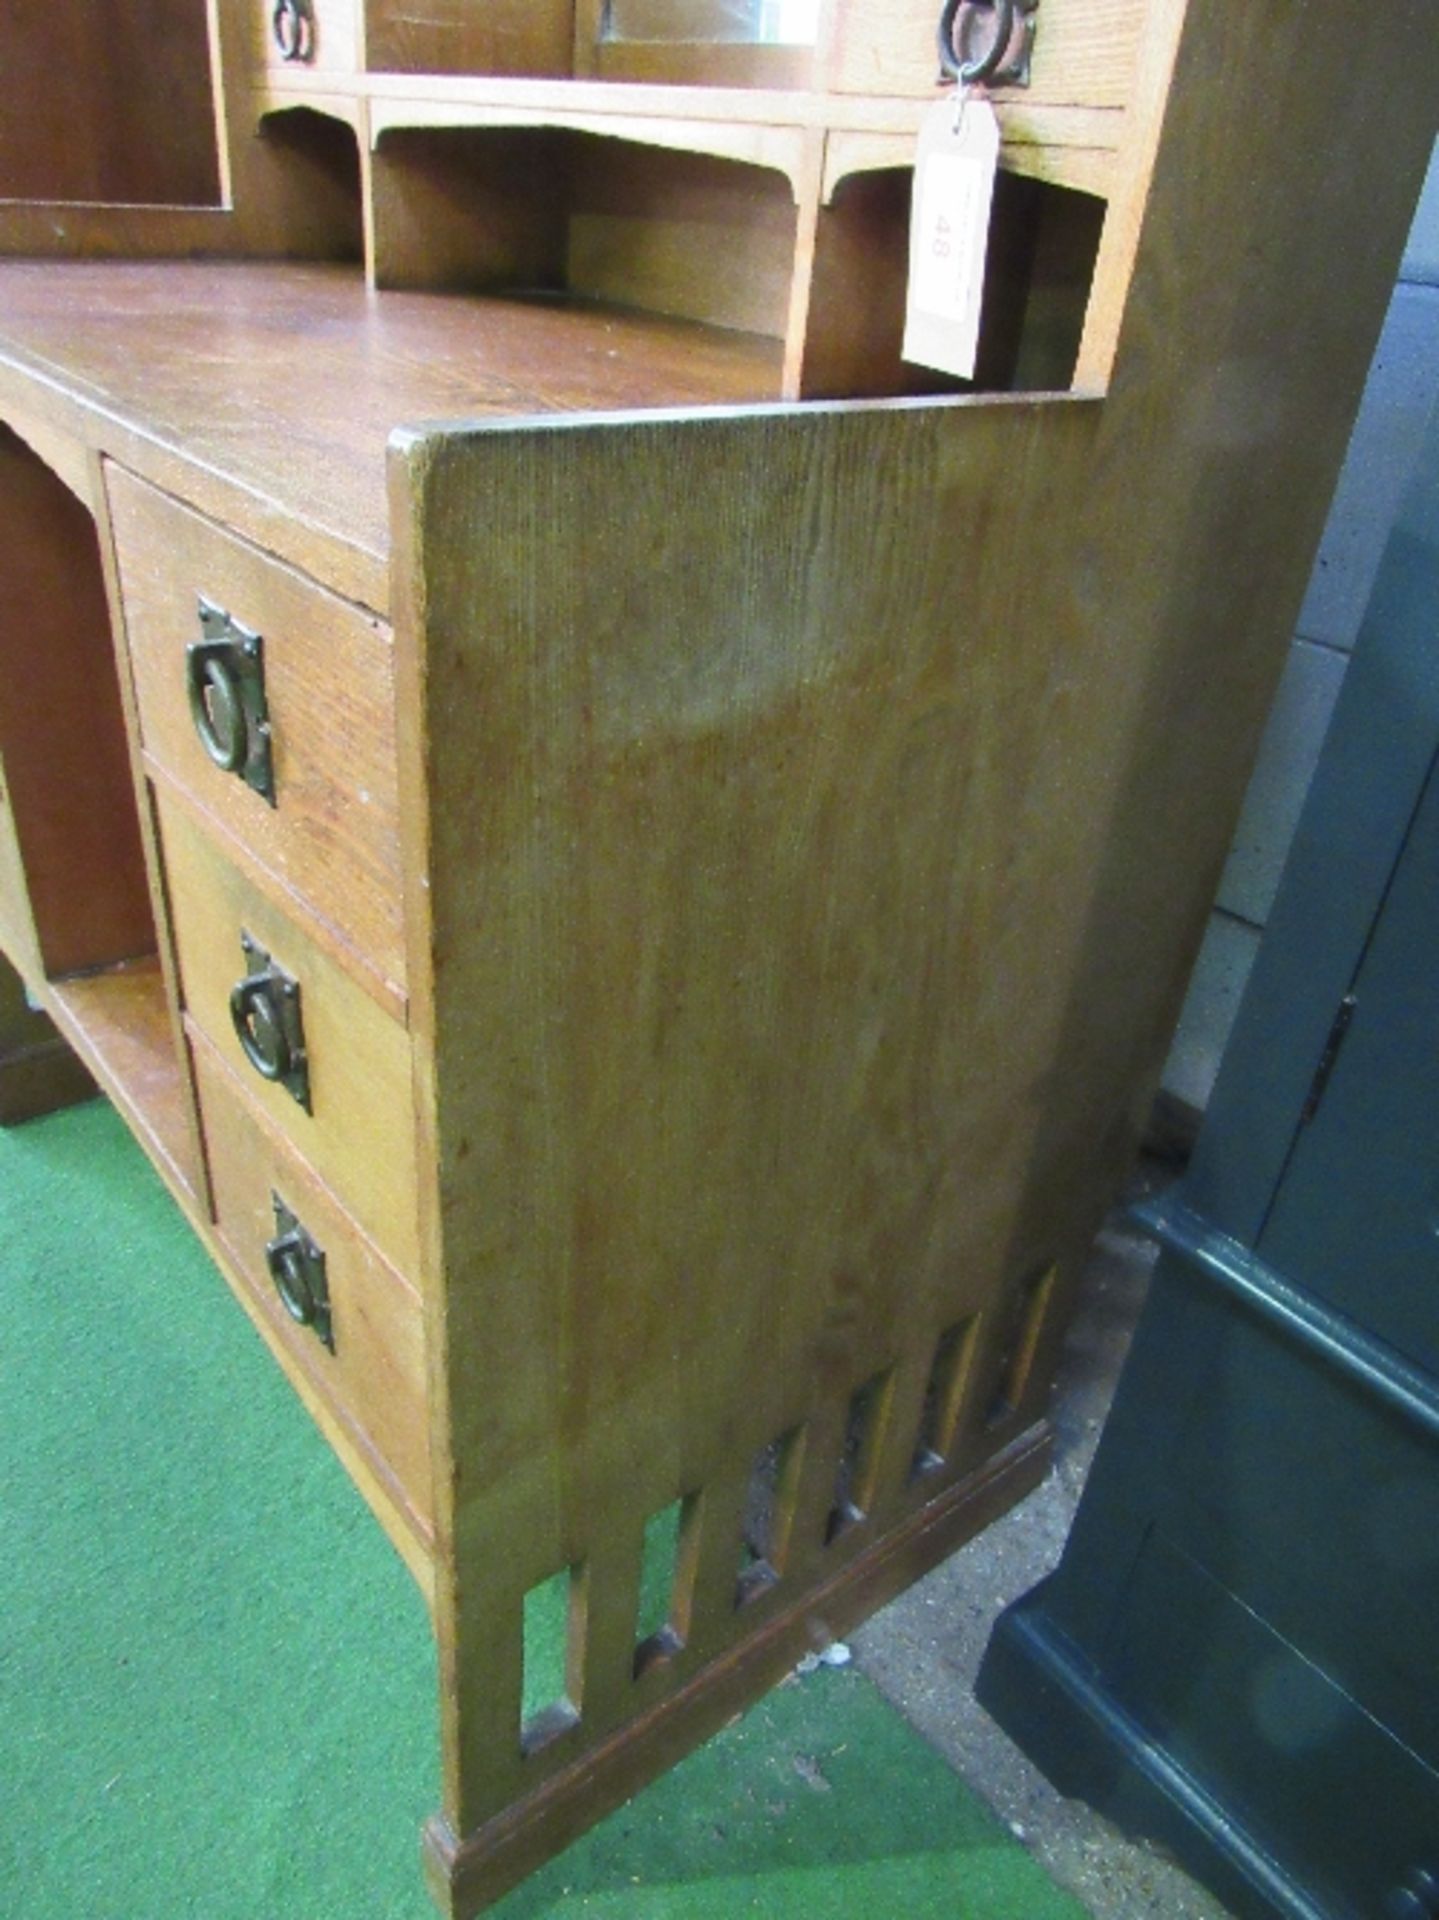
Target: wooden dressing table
x,y
631,857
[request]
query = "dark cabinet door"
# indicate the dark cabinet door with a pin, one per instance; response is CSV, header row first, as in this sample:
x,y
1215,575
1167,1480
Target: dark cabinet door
x,y
1356,1217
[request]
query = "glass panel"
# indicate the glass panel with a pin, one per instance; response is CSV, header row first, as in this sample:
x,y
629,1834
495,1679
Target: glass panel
x,y
768,23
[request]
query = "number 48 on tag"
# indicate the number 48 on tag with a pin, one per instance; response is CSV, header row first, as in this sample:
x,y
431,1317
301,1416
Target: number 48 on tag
x,y
949,231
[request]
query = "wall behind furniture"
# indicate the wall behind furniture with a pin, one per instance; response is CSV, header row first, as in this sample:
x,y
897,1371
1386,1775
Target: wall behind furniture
x,y
1403,386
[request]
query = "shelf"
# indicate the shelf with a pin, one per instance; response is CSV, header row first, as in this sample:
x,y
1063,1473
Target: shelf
x,y
267,393
1070,143
119,1023
784,213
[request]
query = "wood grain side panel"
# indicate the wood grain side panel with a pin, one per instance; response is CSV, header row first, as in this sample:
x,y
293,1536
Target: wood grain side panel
x,y
1129,197
467,208
68,779
374,1377
68,459
359,1135
107,103
683,234
17,927
740,940
333,835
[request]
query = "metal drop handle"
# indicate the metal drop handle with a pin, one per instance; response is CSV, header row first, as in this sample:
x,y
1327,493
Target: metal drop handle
x,y
297,1267
265,1013
216,707
293,25
1004,60
225,685
259,1025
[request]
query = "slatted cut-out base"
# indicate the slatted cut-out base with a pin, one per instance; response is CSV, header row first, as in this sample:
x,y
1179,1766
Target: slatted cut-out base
x,y
576,1772
659,1622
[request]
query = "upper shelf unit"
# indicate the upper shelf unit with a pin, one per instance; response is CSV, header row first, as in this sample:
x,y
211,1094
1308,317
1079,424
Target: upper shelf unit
x,y
867,72
768,155
746,163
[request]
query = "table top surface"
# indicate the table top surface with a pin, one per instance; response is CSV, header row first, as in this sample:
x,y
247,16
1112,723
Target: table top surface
x,y
266,393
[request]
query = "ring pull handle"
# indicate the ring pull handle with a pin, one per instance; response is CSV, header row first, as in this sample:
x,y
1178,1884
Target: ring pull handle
x,y
1002,58
265,1013
297,1267
293,24
216,706
225,685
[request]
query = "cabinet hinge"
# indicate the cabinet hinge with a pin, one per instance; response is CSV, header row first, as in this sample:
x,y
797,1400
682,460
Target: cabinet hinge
x,y
1338,1027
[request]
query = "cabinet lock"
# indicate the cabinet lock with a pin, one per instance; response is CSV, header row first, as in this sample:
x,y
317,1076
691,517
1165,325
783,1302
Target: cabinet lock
x,y
225,680
265,1010
297,1267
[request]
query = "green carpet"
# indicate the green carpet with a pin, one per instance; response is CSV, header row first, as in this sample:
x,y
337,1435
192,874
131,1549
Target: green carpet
x,y
217,1681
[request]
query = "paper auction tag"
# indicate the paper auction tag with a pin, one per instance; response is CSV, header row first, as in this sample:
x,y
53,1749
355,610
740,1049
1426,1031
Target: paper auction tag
x,y
949,232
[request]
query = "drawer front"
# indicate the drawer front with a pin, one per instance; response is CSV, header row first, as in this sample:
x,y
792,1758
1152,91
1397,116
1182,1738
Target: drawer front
x,y
306,36
1084,54
323,676
354,1125
371,1369
1344,1807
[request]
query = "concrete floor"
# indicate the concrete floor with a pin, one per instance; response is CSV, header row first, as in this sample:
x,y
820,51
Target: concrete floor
x,y
923,1650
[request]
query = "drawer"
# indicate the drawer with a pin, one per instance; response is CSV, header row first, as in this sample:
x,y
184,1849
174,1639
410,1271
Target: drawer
x,y
324,673
1085,55
351,1117
305,36
1347,1810
371,1369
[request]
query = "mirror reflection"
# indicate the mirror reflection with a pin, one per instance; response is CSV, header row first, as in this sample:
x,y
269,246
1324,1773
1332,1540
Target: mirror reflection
x,y
773,23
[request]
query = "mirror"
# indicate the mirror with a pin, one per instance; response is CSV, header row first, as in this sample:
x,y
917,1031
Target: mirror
x,y
768,23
